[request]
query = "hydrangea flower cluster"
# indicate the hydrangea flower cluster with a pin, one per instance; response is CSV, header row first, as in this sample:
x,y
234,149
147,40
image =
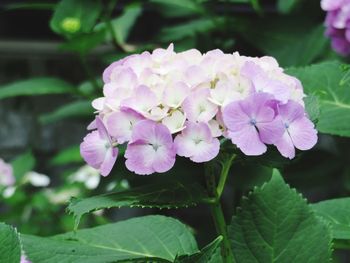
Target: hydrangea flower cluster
x,y
338,24
163,104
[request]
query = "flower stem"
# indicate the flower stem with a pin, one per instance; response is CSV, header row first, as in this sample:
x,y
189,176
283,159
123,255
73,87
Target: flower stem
x,y
215,193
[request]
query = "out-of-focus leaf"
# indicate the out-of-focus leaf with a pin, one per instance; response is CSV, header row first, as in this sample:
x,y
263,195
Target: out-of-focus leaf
x,y
76,109
23,164
10,247
172,194
300,45
178,8
83,43
75,16
30,6
35,86
329,83
135,240
286,6
275,224
189,29
337,213
67,156
205,255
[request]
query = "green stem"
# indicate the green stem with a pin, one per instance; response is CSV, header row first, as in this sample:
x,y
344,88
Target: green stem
x,y
215,193
223,176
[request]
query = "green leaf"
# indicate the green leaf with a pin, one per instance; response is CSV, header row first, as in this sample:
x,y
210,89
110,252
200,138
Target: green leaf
x,y
328,81
161,195
300,45
312,107
76,109
188,29
138,238
35,86
124,23
336,212
205,255
10,247
75,16
67,156
275,224
23,164
286,6
178,8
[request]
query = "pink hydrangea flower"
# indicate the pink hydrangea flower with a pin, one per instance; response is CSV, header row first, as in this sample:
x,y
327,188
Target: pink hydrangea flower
x,y
24,259
98,150
6,174
252,123
197,143
338,24
165,103
299,131
151,148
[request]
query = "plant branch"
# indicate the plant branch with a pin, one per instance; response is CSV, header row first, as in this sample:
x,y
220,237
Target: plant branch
x,y
215,192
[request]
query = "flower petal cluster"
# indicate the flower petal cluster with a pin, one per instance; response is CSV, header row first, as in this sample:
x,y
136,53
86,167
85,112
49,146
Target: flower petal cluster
x,y
338,24
163,104
6,174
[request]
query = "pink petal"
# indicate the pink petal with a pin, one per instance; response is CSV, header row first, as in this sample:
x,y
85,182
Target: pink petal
x,y
120,125
248,141
303,134
139,158
197,107
197,143
93,149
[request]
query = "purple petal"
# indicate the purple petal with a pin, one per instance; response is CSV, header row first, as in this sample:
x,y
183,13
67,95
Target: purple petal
x,y
285,146
248,141
291,111
303,134
272,131
109,161
93,149
234,118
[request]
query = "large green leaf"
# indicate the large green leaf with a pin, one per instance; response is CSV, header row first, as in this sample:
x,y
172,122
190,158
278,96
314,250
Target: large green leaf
x,y
275,224
75,16
206,255
161,195
329,82
337,213
23,164
10,247
138,238
35,86
76,109
291,40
